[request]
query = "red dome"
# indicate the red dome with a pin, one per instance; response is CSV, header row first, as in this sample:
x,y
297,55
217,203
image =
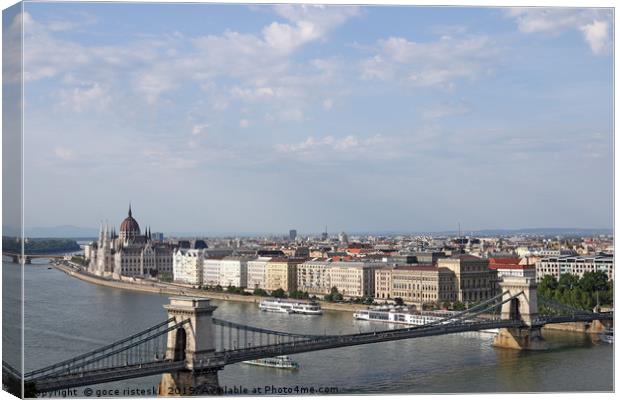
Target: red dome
x,y
129,226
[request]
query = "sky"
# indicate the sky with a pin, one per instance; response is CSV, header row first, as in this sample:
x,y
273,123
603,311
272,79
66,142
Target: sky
x,y
261,118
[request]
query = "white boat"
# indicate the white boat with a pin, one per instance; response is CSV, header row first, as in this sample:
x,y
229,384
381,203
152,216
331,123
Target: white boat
x,y
291,306
402,315
607,335
282,362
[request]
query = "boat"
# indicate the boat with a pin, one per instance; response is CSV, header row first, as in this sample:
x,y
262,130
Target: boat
x,y
402,315
281,362
607,335
291,306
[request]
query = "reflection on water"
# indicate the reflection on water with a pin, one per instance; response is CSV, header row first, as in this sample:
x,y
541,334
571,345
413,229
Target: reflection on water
x,y
65,317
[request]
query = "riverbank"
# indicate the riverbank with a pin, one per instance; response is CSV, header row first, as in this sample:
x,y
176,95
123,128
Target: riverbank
x,y
176,290
180,290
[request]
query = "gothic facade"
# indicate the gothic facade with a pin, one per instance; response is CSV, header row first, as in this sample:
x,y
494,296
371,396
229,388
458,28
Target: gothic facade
x,y
129,253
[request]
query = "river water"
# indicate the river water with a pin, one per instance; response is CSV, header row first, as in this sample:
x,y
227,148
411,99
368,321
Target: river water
x,y
65,317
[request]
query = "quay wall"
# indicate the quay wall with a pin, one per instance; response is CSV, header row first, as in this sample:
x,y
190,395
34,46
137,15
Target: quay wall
x,y
178,290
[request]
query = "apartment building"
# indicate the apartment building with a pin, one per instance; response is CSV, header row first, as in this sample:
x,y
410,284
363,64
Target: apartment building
x,y
474,281
314,276
415,284
257,272
511,267
281,273
354,278
187,266
211,271
234,271
576,265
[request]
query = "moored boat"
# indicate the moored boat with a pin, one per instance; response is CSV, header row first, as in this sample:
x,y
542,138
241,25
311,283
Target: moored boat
x,y
291,306
281,362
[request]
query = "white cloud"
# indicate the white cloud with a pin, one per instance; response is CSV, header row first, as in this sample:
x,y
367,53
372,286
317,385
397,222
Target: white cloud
x,y
199,128
64,153
244,123
328,144
438,64
85,96
592,22
443,110
597,36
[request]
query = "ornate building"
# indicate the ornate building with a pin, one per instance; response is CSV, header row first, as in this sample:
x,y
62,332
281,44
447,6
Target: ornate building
x,y
129,253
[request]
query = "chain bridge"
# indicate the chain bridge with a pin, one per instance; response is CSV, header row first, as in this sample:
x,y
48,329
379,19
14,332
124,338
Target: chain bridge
x,y
191,346
18,258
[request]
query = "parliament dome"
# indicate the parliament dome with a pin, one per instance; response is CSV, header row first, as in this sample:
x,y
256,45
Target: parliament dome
x,y
129,227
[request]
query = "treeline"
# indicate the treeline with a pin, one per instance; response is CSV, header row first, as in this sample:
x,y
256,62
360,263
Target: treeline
x,y
582,293
39,246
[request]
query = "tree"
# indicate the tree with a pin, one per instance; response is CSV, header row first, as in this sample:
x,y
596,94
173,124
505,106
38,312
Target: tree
x,y
260,292
567,282
279,293
399,301
547,286
219,288
445,305
334,295
298,294
458,306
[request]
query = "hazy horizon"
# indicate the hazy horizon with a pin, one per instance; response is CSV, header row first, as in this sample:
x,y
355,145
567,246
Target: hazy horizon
x,y
261,118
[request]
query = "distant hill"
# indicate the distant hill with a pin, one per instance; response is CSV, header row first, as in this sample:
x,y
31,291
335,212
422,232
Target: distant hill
x,y
61,231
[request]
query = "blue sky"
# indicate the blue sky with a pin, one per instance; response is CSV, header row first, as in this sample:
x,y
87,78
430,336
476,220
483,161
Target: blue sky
x,y
227,118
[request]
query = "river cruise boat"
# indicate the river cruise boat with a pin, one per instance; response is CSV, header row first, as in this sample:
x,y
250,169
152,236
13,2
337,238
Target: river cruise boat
x,y
402,315
281,362
291,306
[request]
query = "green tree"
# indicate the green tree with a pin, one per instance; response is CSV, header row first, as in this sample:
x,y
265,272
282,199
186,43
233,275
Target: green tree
x,y
399,301
567,282
334,295
298,294
458,306
279,293
260,292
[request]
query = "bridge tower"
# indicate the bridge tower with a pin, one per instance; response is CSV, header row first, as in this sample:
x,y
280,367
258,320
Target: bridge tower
x,y
524,308
194,342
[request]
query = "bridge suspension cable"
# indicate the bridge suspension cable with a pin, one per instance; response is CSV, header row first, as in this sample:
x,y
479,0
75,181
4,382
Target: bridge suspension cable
x,y
233,335
141,347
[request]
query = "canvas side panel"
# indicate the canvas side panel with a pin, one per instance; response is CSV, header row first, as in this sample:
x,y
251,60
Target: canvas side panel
x,y
12,210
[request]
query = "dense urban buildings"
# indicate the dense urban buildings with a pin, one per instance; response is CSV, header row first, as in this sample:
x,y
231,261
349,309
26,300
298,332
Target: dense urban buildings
x,y
417,270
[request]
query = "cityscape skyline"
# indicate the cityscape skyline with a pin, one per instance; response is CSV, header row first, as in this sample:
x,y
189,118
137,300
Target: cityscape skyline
x,y
232,118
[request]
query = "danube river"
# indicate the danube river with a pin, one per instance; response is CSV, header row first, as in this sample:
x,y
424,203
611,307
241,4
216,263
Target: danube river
x,y
65,317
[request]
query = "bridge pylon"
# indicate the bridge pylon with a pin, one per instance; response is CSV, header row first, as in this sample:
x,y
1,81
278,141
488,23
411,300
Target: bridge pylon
x,y
523,307
194,342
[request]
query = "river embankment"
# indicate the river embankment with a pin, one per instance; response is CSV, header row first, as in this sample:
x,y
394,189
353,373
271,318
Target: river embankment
x,y
179,290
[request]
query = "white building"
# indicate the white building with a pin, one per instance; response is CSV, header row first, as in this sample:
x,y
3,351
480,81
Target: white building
x,y
575,265
234,271
257,272
211,271
188,266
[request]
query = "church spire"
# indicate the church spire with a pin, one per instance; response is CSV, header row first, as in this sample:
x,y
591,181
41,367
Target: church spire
x,y
129,209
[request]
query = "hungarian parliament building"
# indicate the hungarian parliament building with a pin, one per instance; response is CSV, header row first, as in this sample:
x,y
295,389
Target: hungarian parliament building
x,y
129,253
